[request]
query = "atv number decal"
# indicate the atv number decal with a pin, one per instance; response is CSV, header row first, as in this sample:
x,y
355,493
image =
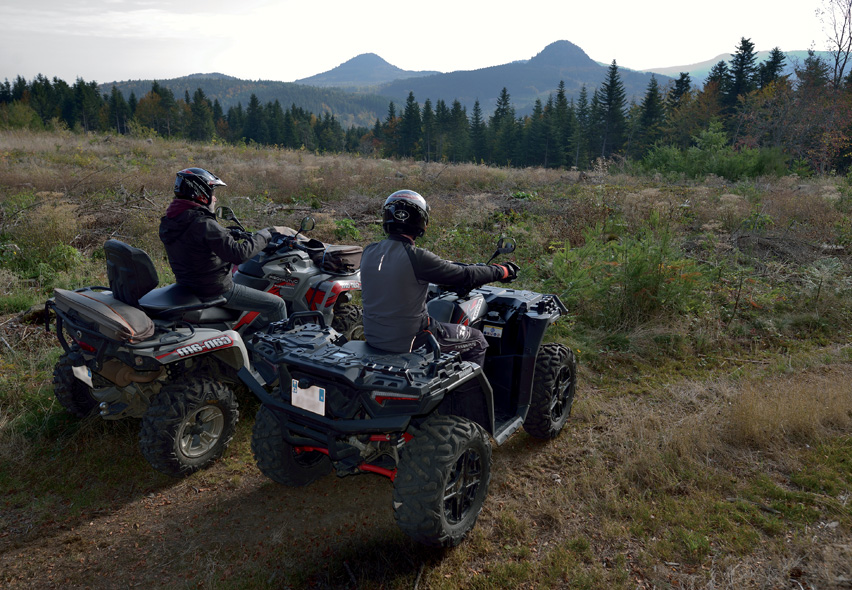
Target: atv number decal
x,y
207,345
311,399
492,331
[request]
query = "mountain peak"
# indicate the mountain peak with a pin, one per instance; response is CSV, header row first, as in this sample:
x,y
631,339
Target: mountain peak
x,y
366,59
560,53
366,69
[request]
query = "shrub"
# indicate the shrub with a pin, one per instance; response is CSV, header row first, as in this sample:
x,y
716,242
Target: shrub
x,y
712,155
616,282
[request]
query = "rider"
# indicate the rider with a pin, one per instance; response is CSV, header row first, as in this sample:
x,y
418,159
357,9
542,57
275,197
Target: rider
x,y
201,252
395,277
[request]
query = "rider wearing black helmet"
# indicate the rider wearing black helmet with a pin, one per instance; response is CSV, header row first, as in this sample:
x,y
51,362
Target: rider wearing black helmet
x,y
395,277
201,252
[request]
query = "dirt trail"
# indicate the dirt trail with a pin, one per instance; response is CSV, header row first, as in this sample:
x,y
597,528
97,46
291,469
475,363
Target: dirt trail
x,y
185,531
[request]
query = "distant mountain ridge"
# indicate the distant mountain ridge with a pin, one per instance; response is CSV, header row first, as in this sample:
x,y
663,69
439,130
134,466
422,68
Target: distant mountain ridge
x,y
525,81
358,91
698,71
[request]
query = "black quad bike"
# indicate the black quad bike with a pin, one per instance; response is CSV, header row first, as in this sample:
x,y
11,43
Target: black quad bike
x,y
170,358
424,418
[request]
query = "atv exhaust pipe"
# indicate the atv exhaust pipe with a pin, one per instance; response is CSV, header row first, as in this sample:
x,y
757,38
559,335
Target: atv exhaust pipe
x,y
123,375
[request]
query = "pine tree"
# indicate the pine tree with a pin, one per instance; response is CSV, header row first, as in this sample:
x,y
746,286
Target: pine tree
x,y
582,132
770,70
534,151
651,117
564,120
410,128
119,111
504,131
612,101
274,115
459,135
201,126
255,128
815,73
742,72
428,121
478,134
390,132
443,125
720,76
680,92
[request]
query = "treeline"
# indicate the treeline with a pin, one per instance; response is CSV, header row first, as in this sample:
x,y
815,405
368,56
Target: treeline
x,y
745,119
48,104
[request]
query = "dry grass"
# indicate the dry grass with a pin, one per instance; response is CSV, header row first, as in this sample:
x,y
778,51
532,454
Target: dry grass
x,y
804,409
709,453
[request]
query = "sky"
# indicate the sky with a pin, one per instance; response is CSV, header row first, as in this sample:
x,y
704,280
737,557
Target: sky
x,y
285,40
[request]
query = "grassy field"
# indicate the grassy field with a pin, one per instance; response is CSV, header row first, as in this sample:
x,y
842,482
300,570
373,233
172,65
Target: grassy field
x,y
710,444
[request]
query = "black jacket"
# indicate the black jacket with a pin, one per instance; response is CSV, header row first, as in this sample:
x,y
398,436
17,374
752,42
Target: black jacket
x,y
201,251
395,277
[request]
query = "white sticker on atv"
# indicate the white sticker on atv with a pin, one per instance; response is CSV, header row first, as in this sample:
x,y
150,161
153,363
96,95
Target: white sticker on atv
x,y
311,399
492,331
83,373
207,345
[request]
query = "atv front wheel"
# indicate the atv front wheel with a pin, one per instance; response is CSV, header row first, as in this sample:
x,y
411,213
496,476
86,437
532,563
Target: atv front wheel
x,y
348,320
553,391
279,460
442,480
74,395
188,425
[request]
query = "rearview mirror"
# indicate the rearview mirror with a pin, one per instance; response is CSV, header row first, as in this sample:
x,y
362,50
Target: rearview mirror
x,y
308,223
225,213
506,245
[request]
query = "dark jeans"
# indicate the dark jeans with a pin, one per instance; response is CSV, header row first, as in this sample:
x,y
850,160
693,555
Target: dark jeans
x,y
270,307
468,341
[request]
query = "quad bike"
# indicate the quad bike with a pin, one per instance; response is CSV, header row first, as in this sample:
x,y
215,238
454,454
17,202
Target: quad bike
x,y
170,358
423,418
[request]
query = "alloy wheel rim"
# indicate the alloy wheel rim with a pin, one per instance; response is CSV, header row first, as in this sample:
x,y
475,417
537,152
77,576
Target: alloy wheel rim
x,y
200,431
462,485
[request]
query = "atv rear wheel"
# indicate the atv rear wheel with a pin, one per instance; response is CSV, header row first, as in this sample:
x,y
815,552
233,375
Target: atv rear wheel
x,y
74,395
348,320
553,391
279,460
442,480
188,425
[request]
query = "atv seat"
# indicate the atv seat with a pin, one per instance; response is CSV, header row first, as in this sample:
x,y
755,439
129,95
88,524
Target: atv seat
x,y
175,301
130,272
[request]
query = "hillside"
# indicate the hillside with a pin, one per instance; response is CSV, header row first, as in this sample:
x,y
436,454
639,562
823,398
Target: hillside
x,y
349,108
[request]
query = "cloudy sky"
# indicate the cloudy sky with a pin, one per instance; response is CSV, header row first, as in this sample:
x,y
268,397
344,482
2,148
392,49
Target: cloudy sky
x,y
285,40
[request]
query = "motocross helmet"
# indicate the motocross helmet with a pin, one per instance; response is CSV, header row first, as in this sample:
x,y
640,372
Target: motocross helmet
x,y
405,212
196,184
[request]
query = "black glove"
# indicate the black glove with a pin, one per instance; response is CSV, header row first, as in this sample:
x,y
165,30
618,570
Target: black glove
x,y
510,271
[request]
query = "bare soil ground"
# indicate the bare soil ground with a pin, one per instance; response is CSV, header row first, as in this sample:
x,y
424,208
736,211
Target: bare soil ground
x,y
195,529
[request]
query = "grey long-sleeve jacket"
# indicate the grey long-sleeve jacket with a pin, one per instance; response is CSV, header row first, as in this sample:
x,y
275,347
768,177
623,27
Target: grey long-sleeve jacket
x,y
395,277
